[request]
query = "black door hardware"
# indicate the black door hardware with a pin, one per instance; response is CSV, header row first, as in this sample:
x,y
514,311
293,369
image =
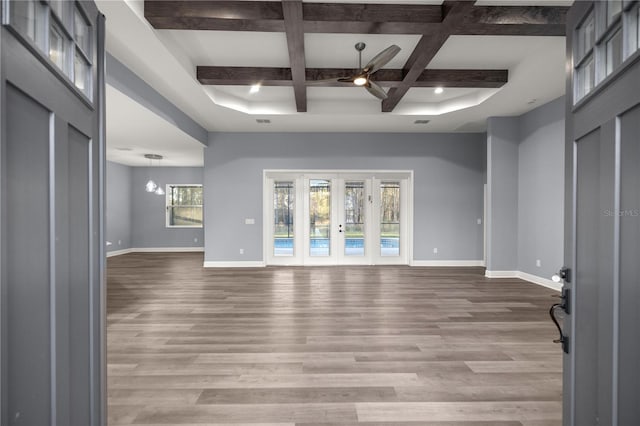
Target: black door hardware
x,y
565,300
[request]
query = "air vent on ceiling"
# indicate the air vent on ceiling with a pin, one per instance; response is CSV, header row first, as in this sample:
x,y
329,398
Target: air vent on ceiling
x,y
263,121
421,122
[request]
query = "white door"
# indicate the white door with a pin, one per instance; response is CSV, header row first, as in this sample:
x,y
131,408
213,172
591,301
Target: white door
x,y
346,218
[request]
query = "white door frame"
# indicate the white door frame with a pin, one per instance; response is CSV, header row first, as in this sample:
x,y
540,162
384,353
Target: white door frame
x,y
337,177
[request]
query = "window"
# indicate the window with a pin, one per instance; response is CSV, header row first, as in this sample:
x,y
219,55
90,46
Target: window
x,y
602,42
184,206
61,31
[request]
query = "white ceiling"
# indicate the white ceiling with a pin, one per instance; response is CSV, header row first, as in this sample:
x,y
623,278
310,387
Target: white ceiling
x,y
133,131
167,59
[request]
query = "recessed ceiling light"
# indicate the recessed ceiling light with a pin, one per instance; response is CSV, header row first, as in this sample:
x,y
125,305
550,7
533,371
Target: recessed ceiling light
x,y
254,89
421,122
263,121
438,90
532,101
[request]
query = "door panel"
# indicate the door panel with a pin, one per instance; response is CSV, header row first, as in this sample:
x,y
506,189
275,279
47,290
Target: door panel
x,y
354,229
594,245
27,288
320,218
629,383
390,211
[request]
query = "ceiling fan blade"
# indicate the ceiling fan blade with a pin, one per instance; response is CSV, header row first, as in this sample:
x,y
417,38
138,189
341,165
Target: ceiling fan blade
x,y
329,81
376,90
381,59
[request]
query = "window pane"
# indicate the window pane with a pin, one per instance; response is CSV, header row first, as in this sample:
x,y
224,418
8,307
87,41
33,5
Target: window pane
x,y
27,17
390,219
184,205
58,48
283,217
586,37
585,78
57,6
354,208
614,7
81,32
82,74
319,217
185,216
614,51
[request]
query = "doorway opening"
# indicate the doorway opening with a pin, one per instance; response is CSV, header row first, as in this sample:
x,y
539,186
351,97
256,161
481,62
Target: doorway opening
x,y
338,217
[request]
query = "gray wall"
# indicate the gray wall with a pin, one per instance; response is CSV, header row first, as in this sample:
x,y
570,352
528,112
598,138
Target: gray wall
x,y
525,175
448,186
541,190
148,228
118,209
502,194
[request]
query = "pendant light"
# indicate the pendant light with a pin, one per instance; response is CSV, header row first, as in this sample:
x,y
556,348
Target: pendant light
x,y
151,186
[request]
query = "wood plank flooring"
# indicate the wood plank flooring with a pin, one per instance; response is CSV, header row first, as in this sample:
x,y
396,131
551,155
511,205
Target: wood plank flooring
x,y
321,346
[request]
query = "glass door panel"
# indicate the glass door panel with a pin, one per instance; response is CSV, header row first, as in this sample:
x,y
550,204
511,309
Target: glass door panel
x,y
283,218
354,218
390,218
319,217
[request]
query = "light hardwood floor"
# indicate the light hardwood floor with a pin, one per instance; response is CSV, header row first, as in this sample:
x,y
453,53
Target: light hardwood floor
x,y
317,346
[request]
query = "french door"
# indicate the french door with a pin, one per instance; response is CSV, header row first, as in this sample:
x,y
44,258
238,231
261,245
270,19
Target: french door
x,y
341,218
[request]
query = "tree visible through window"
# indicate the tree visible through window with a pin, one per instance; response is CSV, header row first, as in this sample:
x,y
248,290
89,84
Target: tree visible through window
x,y
184,206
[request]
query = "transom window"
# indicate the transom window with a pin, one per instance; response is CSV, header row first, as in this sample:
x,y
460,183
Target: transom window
x,y
60,31
184,206
608,35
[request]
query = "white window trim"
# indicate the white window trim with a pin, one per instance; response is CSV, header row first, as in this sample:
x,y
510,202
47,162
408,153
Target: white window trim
x,y
167,206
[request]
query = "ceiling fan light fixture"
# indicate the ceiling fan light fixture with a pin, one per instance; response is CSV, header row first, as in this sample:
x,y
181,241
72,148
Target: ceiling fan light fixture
x,y
438,90
360,80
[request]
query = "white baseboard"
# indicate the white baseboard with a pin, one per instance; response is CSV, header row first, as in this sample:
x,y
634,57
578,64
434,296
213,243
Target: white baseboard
x,y
451,263
118,252
540,281
168,249
155,250
501,274
235,264
525,276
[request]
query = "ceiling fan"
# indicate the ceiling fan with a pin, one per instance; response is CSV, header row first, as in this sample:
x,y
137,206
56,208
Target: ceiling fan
x,y
363,77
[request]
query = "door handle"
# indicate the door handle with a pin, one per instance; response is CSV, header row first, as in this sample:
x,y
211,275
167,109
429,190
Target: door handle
x,y
564,304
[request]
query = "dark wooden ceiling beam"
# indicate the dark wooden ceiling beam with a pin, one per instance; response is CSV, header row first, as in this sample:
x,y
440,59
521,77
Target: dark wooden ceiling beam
x,y
267,16
317,77
425,51
292,11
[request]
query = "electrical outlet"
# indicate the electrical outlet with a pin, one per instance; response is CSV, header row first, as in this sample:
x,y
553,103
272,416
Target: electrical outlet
x,y
435,250
119,242
538,263
479,221
250,221
195,239
241,251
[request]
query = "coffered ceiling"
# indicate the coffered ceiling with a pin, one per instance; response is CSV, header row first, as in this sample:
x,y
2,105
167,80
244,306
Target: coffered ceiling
x,y
492,58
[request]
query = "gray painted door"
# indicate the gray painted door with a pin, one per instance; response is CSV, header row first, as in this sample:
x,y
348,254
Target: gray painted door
x,y
602,232
51,175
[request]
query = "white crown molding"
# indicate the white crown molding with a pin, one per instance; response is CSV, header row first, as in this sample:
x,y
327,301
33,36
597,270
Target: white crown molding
x,y
450,263
235,264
